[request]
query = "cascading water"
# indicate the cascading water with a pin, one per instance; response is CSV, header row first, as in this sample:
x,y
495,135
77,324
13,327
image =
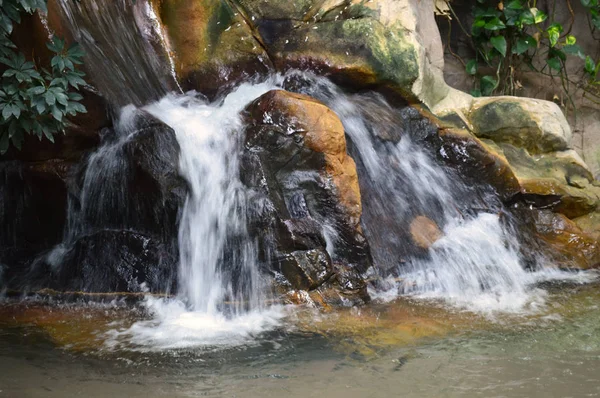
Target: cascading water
x,y
218,260
221,294
222,297
476,263
126,53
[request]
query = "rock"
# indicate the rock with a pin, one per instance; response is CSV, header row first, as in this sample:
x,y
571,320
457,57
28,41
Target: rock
x,y
123,202
214,43
151,190
557,240
306,193
360,43
550,180
477,161
590,224
33,205
321,132
424,231
306,270
111,261
536,125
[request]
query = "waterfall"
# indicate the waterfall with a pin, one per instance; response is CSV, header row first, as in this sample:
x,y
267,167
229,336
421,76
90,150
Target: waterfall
x,y
476,263
218,260
222,296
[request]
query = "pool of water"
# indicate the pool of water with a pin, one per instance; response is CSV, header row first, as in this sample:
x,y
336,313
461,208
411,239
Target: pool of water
x,y
403,348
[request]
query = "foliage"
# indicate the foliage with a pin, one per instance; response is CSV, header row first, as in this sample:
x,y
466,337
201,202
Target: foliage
x,y
35,100
511,35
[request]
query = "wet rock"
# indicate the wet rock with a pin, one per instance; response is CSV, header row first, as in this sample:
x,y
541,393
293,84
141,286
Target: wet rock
x,y
306,270
214,43
33,205
424,231
144,162
307,196
556,239
558,180
110,261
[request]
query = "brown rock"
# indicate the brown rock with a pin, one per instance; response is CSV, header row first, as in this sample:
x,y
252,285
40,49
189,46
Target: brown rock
x,y
424,231
322,132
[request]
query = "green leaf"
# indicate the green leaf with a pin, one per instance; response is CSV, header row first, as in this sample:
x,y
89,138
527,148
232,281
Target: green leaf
x,y
590,65
554,32
514,5
471,67
56,113
50,98
7,112
538,16
49,136
523,44
494,24
554,63
574,49
56,45
17,139
570,40
488,84
499,43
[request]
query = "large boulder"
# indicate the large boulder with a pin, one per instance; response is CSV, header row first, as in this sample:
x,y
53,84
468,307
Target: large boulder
x,y
123,204
357,42
538,126
307,195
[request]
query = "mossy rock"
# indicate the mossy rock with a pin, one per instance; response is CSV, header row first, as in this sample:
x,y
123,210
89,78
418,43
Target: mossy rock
x,y
535,125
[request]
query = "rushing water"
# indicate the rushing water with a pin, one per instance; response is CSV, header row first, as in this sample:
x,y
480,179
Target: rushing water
x,y
223,297
476,264
222,294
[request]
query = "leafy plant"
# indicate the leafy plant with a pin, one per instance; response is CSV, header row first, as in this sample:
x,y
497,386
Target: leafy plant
x,y
508,36
35,100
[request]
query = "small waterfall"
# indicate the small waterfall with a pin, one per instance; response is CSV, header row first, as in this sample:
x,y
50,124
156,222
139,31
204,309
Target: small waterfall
x,y
222,298
218,260
476,263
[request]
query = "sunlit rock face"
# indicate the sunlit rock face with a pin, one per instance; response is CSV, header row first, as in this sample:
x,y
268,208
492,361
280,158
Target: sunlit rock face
x,y
361,43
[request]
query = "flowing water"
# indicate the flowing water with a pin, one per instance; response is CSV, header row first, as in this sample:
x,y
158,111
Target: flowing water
x,y
402,348
463,317
223,298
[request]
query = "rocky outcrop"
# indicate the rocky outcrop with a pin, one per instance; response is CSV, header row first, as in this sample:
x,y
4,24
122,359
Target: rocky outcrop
x,y
296,162
361,43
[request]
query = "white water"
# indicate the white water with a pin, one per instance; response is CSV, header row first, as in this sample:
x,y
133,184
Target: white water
x,y
221,296
476,265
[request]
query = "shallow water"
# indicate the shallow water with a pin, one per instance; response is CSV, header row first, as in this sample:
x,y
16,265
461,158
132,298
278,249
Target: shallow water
x,y
403,348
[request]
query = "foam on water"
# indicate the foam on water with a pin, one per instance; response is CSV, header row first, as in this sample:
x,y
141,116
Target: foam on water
x,y
174,326
476,266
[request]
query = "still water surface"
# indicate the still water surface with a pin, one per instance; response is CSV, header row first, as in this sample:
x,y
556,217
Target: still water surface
x,y
404,348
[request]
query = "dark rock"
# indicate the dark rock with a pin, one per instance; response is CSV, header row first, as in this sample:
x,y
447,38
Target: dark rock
x,y
307,269
109,261
305,189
